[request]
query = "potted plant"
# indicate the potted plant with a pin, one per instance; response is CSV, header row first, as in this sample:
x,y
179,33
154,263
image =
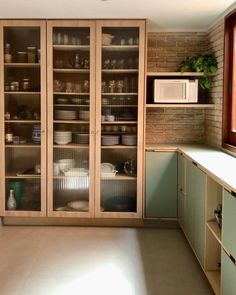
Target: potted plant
x,y
204,63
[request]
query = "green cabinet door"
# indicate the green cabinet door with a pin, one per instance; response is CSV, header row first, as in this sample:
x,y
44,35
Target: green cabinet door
x,y
229,223
190,195
161,184
195,208
181,189
228,275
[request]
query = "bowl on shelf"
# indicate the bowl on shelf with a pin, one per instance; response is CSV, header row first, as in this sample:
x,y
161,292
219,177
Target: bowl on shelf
x,y
62,137
65,114
107,39
61,100
81,138
79,205
110,139
66,164
84,115
129,139
108,170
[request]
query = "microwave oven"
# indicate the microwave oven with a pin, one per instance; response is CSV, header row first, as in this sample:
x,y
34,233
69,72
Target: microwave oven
x,y
175,91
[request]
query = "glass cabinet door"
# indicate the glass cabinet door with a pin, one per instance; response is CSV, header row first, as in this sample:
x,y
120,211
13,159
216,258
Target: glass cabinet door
x,y
119,113
23,113
71,117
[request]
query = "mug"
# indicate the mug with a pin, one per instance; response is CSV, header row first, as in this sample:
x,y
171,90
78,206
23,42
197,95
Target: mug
x,y
37,169
130,167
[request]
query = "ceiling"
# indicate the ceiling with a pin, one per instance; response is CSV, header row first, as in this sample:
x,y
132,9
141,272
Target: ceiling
x,y
162,15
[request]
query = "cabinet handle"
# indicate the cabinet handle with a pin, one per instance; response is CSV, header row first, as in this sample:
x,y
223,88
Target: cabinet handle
x,y
233,194
232,259
194,163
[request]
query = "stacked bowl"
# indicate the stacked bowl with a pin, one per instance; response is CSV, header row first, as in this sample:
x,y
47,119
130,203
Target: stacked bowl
x,y
65,114
62,137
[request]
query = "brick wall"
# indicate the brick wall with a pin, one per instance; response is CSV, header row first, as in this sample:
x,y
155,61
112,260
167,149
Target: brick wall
x,y
213,121
180,125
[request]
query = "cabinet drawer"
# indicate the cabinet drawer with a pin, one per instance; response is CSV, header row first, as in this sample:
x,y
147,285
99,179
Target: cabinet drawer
x,y
229,222
228,275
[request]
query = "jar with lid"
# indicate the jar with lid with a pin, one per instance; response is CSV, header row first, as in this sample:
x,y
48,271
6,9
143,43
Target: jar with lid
x,y
25,85
7,53
31,54
14,86
21,56
8,134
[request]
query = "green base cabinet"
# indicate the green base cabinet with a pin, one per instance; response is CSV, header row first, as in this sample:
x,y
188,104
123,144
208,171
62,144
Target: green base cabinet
x,y
161,184
228,275
229,223
195,209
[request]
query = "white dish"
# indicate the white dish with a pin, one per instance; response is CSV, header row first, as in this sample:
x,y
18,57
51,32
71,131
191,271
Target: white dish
x,y
109,174
76,172
79,205
107,167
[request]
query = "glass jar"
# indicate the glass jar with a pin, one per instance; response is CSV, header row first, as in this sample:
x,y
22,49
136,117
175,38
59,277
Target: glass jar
x,y
25,84
21,57
7,53
31,54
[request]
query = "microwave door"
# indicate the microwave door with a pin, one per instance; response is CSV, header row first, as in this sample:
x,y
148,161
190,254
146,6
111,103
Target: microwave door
x,y
173,92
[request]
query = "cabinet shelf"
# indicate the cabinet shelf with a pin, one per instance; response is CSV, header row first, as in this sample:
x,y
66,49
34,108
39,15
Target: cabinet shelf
x,y
71,47
71,121
120,47
119,93
71,71
22,93
30,145
71,105
119,106
120,122
23,176
119,147
22,121
22,65
177,74
120,71
71,93
119,177
215,230
71,146
214,280
181,105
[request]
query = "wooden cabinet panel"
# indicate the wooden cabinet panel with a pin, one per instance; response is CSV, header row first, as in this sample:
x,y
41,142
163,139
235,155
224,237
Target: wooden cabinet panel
x,y
161,184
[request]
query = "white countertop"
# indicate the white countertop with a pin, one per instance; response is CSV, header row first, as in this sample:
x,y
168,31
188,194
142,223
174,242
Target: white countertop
x,y
214,162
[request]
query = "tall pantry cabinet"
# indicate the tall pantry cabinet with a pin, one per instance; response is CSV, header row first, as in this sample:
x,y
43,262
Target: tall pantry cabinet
x,y
23,117
77,145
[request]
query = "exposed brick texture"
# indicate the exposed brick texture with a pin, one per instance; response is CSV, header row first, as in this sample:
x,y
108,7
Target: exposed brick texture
x,y
213,121
181,125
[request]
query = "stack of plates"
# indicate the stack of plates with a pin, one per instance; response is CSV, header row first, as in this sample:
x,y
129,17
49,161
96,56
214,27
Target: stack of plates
x,y
110,139
76,172
129,139
79,205
84,115
62,137
80,138
65,114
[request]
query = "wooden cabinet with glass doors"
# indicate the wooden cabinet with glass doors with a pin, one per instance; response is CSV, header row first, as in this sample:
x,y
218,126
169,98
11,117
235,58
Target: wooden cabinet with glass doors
x,y
71,118
23,118
95,110
120,65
